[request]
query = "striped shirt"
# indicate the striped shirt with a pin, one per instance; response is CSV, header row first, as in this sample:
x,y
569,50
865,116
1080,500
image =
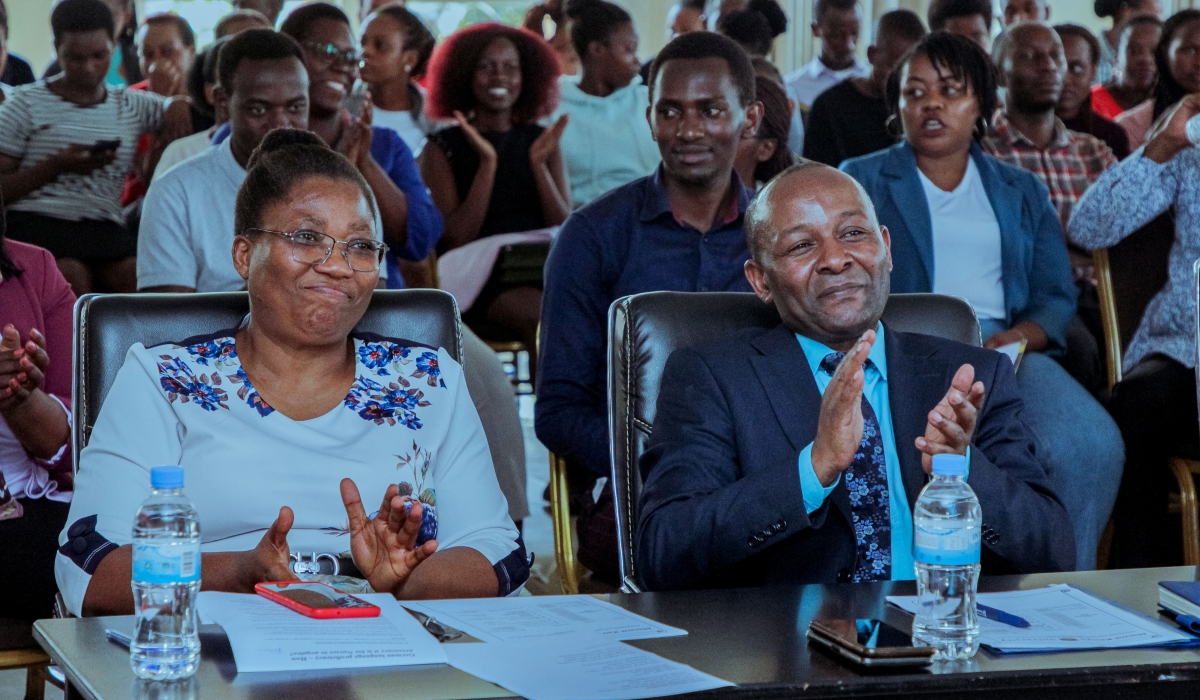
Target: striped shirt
x,y
35,124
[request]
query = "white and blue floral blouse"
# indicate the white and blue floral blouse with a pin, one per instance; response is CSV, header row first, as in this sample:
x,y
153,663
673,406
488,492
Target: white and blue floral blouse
x,y
406,420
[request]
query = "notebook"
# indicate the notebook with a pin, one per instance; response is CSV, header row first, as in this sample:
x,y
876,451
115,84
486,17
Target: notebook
x,y
1180,597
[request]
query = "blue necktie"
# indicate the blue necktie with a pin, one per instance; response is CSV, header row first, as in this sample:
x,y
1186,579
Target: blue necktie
x,y
870,503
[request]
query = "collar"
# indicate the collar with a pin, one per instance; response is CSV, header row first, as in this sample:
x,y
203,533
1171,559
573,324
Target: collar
x,y
814,352
657,202
1004,129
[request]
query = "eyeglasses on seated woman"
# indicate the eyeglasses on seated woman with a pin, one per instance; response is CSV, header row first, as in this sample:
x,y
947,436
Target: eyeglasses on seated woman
x,y
282,422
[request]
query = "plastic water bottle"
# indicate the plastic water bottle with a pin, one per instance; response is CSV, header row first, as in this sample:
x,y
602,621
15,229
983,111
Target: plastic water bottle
x,y
946,527
166,579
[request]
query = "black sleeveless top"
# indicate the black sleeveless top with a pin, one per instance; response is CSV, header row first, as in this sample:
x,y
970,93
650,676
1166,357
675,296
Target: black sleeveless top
x,y
514,205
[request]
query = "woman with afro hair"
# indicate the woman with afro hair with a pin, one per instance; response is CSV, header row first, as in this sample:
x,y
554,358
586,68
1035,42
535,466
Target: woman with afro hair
x,y
496,171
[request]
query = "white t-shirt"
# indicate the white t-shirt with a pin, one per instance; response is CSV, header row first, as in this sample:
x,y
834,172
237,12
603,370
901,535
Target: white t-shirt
x,y
404,124
186,234
407,420
966,244
180,150
35,124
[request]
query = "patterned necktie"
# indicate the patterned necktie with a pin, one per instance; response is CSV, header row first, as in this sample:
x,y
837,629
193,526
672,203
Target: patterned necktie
x,y
870,503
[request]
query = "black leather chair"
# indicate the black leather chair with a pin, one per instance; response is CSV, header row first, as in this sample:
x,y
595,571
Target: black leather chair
x,y
644,329
107,325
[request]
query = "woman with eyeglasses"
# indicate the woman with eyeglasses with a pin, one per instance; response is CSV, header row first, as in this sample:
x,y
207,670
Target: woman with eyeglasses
x,y
292,428
412,225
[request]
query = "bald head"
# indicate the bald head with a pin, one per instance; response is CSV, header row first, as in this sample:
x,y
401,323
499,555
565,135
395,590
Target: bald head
x,y
787,187
819,253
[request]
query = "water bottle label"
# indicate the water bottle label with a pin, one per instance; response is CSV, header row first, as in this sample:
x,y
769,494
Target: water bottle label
x,y
166,563
946,548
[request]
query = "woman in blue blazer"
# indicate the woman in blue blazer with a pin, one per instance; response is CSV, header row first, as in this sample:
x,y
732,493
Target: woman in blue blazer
x,y
963,223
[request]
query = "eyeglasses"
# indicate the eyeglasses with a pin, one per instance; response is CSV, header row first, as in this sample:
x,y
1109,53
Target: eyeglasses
x,y
312,248
328,53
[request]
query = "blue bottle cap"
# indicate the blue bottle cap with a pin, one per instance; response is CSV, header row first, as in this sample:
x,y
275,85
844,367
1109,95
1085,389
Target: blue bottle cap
x,y
166,477
949,465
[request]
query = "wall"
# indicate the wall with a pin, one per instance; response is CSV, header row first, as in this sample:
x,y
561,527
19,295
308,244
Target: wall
x,y
29,31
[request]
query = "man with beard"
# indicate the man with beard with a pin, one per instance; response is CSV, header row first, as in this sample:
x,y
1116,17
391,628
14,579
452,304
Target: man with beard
x,y
678,229
1027,133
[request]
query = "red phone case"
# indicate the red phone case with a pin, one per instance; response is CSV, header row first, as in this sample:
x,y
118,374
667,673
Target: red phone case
x,y
366,609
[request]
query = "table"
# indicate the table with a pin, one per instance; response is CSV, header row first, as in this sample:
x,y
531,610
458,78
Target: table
x,y
752,637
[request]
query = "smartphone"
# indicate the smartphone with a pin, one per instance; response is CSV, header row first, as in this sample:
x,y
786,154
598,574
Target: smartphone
x,y
105,146
869,642
316,600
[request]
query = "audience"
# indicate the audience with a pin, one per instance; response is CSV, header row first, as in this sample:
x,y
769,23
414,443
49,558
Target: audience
x,y
35,425
686,16
967,18
1026,11
850,119
295,359
1177,60
62,186
187,225
1081,49
123,69
496,171
607,141
239,21
411,223
551,16
765,155
203,97
1026,133
5,88
837,23
396,47
1133,80
1120,11
770,420
1013,268
679,229
15,70
756,27
1155,403
267,8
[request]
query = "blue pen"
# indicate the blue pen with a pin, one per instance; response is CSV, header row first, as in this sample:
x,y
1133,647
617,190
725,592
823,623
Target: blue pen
x,y
1001,616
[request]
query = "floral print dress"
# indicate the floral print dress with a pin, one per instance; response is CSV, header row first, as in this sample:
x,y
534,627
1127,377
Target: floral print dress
x,y
407,419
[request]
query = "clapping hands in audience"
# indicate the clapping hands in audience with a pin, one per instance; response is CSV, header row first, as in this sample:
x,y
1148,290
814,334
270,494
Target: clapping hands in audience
x,y
487,152
385,547
547,143
355,141
840,425
21,367
166,78
952,422
1169,134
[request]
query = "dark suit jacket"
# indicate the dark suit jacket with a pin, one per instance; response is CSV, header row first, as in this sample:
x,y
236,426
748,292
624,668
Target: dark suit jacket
x,y
722,504
1036,272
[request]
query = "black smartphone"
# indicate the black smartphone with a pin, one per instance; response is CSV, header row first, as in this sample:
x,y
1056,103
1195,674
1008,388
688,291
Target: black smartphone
x,y
105,146
869,642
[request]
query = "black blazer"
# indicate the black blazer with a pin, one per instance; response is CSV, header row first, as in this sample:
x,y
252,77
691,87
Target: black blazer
x,y
722,505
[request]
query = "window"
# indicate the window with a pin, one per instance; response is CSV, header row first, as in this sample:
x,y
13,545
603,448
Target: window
x,y
445,18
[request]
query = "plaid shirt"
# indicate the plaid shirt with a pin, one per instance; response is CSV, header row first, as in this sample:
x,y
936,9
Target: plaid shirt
x,y
1068,166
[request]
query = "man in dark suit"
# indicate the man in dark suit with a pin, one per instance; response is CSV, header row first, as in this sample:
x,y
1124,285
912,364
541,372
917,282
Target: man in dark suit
x,y
796,454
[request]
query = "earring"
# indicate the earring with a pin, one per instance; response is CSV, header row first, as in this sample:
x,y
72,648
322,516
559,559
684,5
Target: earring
x,y
408,69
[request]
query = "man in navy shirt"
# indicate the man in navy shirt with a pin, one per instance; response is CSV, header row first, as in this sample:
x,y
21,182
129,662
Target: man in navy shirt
x,y
679,229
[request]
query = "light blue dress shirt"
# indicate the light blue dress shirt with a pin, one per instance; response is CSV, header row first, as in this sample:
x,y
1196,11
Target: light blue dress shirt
x,y
875,389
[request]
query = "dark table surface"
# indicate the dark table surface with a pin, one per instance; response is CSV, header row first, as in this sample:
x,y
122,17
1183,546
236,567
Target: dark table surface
x,y
752,637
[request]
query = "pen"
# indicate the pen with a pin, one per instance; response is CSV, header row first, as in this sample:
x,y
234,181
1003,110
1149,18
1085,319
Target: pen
x,y
1001,616
119,638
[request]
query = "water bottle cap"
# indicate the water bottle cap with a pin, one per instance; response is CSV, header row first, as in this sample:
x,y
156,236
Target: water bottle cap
x,y
949,465
166,477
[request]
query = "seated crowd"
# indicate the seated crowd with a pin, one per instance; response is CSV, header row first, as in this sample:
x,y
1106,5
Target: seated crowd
x,y
308,167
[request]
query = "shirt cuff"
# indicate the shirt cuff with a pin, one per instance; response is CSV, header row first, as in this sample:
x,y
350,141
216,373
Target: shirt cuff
x,y
810,486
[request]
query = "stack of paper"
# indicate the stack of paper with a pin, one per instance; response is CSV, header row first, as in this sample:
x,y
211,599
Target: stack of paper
x,y
1064,618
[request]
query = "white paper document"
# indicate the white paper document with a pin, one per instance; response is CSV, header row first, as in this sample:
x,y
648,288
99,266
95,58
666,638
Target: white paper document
x,y
532,617
265,636
1063,618
576,666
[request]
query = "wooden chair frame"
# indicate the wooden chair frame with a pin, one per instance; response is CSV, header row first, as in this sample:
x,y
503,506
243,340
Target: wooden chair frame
x,y
1185,470
35,662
